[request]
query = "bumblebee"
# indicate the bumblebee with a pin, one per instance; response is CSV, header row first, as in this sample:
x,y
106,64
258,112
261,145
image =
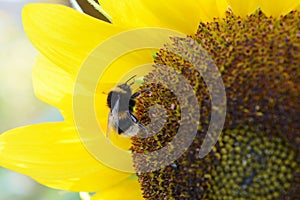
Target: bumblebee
x,y
121,102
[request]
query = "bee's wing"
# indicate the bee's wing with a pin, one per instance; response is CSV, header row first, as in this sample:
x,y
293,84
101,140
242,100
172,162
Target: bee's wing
x,y
113,117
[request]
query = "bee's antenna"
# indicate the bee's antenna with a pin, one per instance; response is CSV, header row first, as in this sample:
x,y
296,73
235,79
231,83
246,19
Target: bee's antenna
x,y
130,80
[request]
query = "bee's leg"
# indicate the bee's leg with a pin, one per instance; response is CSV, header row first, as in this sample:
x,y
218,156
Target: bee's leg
x,y
136,121
133,118
132,101
142,127
145,130
139,92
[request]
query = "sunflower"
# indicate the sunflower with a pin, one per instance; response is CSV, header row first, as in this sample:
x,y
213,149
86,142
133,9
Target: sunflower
x,y
53,153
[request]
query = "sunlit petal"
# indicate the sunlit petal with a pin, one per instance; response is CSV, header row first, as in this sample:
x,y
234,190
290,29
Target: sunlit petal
x,y
52,154
176,15
243,8
64,35
276,8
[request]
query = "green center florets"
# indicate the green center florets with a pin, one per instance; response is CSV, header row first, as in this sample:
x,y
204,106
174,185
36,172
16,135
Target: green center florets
x,y
251,166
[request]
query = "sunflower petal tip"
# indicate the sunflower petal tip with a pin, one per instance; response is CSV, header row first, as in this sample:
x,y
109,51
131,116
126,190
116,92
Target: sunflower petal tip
x,y
30,7
26,10
1,144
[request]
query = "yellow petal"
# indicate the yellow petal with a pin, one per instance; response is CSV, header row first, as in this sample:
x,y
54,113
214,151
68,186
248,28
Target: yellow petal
x,y
126,190
210,9
52,154
53,85
175,14
64,35
276,8
243,8
54,74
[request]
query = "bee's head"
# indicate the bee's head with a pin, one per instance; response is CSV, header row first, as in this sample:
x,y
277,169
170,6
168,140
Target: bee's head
x,y
123,91
125,87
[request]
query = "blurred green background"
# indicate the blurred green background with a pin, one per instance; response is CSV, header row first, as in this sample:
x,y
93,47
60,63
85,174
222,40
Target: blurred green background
x,y
18,105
